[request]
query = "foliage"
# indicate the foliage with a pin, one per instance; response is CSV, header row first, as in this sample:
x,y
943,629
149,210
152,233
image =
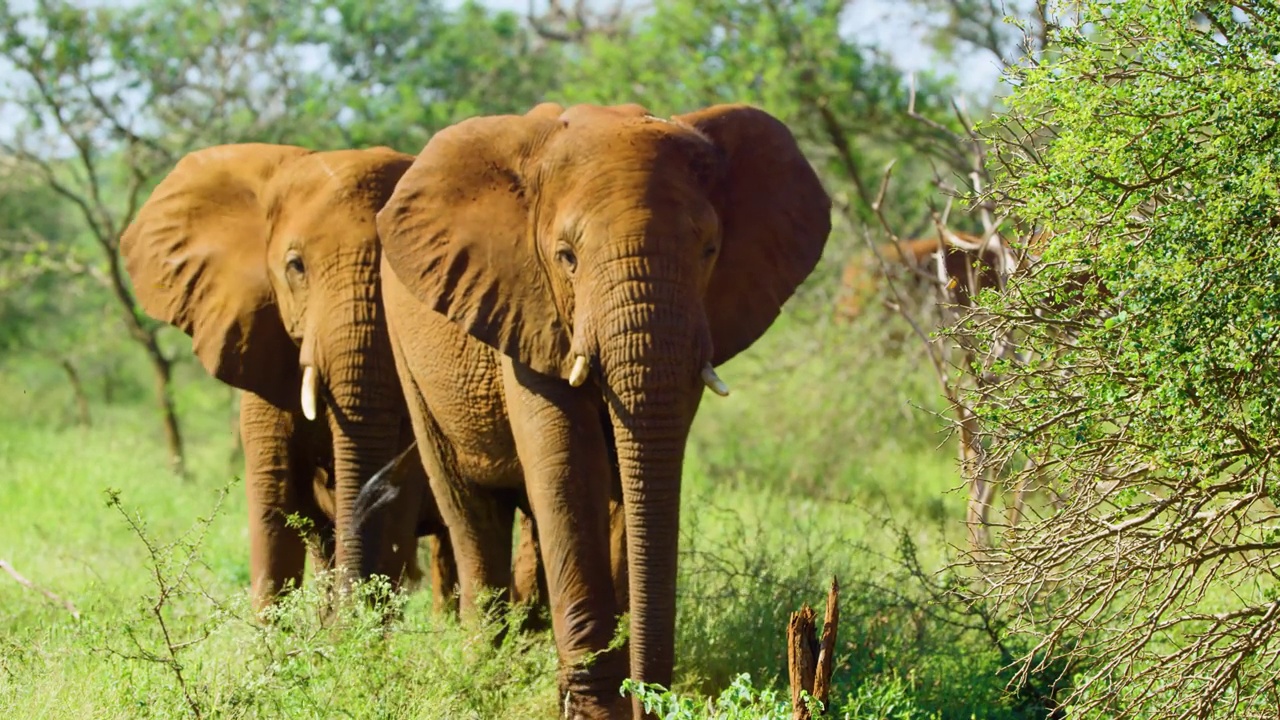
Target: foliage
x,y
1149,391
428,68
739,701
28,215
956,26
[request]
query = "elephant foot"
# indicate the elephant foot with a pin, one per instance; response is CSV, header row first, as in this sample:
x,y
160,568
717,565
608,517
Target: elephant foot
x,y
586,707
594,692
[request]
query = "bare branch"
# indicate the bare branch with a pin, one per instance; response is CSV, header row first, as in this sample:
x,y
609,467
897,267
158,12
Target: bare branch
x,y
13,573
574,25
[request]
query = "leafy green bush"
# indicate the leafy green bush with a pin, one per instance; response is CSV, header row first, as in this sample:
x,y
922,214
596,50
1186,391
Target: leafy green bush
x,y
1148,144
739,701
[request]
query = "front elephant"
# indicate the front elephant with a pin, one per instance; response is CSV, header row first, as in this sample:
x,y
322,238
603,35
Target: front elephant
x,y
268,257
588,268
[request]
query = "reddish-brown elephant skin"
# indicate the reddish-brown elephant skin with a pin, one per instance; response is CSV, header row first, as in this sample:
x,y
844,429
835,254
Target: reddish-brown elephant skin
x,y
582,271
268,257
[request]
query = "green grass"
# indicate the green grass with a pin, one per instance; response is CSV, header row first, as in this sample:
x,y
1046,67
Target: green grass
x,y
815,466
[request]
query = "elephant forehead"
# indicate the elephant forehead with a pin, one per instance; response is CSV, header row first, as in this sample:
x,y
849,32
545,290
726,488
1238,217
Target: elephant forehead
x,y
353,179
326,209
637,146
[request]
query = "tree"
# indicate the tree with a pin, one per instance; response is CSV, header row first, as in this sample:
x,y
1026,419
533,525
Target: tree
x,y
1148,387
398,72
958,25
108,99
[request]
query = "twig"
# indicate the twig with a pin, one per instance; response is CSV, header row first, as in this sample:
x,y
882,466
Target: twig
x,y
8,568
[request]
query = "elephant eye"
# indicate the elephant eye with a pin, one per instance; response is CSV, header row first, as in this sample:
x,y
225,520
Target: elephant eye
x,y
293,264
567,259
709,251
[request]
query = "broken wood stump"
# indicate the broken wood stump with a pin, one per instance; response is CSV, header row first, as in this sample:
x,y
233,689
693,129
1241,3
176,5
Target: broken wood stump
x,y
809,662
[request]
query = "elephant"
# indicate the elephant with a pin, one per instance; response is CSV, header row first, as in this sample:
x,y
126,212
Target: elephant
x,y
560,287
267,256
966,259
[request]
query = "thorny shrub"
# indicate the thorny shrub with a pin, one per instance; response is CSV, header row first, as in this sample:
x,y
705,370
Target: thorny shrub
x,y
1147,390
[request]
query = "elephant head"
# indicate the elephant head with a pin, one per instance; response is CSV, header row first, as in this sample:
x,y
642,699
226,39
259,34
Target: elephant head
x,y
268,256
604,244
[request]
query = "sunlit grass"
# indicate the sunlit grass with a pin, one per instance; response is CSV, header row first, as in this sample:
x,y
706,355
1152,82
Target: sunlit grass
x,y
824,469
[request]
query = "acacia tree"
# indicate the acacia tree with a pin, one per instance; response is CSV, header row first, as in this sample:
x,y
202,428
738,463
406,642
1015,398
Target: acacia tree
x,y
954,25
1149,147
109,98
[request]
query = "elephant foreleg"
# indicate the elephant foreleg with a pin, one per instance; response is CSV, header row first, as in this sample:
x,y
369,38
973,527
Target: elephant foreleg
x,y
524,581
276,552
562,450
480,532
478,521
618,554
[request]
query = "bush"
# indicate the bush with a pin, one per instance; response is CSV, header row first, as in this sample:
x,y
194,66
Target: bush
x,y
1148,145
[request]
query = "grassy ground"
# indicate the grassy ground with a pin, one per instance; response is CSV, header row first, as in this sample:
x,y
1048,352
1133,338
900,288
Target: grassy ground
x,y
817,465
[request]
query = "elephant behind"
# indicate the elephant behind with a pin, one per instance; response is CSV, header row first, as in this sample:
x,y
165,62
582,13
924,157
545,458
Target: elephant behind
x,y
583,271
268,257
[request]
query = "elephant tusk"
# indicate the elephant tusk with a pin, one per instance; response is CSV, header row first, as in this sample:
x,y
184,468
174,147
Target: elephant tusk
x,y
713,381
309,392
578,374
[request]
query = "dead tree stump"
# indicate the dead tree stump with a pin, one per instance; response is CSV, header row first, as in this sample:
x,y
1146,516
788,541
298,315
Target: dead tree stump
x,y
809,662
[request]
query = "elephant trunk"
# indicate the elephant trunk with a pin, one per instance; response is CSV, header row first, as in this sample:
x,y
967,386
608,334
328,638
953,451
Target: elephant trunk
x,y
650,358
365,421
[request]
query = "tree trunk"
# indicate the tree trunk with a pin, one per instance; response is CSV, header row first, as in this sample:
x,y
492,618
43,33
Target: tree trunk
x,y
161,366
162,370
801,660
82,400
110,377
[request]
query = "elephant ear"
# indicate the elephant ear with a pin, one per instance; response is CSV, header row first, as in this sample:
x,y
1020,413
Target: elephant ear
x,y
775,217
196,253
457,232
